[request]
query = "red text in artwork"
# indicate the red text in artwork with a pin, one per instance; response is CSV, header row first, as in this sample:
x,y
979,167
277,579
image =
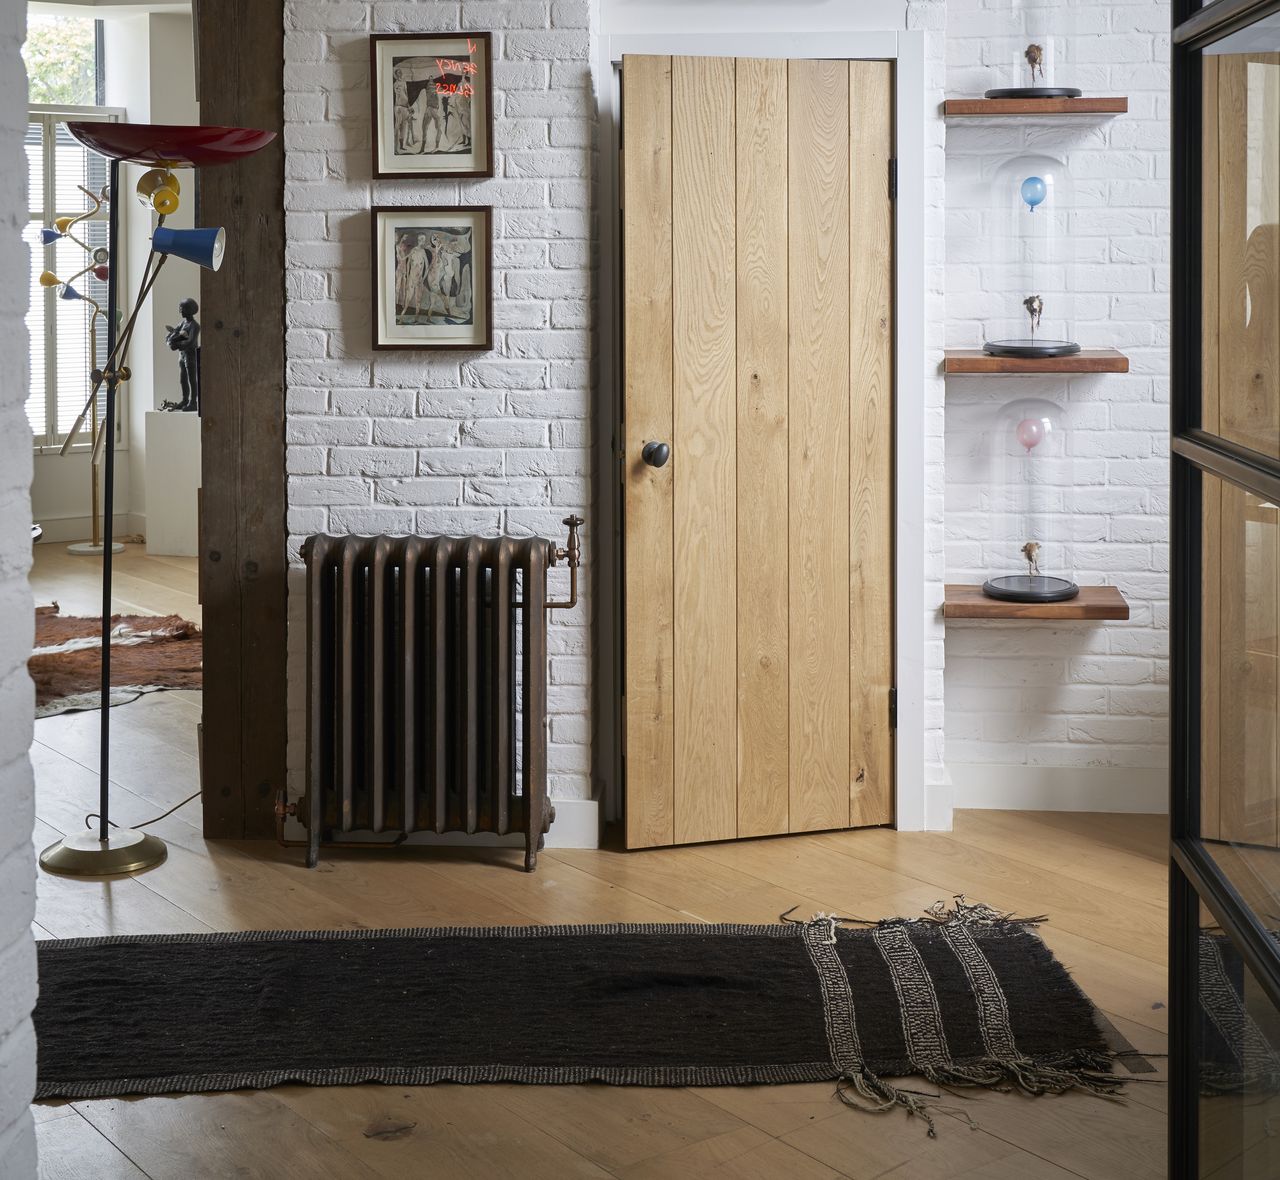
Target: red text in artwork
x,y
447,66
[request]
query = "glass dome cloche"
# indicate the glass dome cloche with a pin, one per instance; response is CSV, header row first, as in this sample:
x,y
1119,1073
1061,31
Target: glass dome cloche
x,y
1026,55
1028,554
1031,273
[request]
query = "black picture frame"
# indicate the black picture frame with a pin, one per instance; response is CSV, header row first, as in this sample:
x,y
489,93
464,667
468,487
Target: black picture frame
x,y
435,93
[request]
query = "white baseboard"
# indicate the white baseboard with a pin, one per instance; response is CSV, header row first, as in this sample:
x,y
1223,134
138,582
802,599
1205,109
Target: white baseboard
x,y
576,826
1059,788
61,530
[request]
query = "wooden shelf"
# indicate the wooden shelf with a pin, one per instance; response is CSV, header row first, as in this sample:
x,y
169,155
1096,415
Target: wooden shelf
x,y
1093,602
1033,107
1089,360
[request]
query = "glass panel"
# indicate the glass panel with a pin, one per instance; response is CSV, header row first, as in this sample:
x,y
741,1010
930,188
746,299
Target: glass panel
x,y
1239,1055
1241,253
1240,621
61,59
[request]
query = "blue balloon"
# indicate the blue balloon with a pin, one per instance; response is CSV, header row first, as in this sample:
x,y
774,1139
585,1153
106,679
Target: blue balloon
x,y
1034,190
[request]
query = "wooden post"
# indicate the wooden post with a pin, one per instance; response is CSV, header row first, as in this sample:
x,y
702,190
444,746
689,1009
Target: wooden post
x,y
243,566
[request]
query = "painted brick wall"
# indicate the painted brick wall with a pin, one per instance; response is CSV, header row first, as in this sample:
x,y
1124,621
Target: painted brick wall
x,y
17,701
1091,697
930,18
460,443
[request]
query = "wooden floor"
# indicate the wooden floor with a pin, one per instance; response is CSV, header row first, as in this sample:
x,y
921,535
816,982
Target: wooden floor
x,y
1100,878
141,584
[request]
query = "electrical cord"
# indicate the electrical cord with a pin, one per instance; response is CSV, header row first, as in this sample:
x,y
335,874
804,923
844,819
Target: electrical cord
x,y
88,819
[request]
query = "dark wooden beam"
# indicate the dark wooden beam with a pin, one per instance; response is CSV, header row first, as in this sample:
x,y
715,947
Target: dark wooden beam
x,y
243,565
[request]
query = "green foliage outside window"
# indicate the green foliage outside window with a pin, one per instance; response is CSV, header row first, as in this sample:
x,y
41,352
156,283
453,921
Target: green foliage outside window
x,y
60,58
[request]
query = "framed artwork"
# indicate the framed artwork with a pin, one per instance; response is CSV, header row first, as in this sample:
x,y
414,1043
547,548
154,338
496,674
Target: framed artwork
x,y
432,276
432,105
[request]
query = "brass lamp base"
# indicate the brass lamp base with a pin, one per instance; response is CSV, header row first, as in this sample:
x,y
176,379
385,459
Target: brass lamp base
x,y
82,854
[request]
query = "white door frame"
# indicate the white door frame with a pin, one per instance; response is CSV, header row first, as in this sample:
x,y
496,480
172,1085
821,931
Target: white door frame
x,y
906,49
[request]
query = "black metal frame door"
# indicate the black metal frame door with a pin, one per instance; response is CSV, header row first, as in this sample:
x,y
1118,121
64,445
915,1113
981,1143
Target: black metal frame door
x,y
1200,892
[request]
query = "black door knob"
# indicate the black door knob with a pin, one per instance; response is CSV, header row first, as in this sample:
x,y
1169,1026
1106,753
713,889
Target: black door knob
x,y
656,454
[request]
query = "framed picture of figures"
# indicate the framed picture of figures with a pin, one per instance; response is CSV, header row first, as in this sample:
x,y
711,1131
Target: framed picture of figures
x,y
432,276
432,105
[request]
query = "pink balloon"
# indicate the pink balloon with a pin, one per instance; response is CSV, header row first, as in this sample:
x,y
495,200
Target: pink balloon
x,y
1030,432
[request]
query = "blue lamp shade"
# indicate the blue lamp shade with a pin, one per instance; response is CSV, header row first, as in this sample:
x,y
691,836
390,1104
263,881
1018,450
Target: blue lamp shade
x,y
49,236
204,247
69,292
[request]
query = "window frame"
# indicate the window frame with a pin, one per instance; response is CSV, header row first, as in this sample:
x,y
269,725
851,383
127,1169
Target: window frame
x,y
49,115
1195,878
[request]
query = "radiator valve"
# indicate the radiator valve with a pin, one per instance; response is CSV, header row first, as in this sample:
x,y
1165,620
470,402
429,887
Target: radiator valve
x,y
571,553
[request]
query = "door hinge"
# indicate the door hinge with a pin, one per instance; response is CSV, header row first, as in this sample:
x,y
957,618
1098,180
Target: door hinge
x,y
893,179
893,708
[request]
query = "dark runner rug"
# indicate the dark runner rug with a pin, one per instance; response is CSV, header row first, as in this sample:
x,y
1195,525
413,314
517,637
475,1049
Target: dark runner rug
x,y
963,997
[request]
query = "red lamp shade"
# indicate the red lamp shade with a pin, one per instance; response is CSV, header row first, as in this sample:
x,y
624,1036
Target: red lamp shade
x,y
170,146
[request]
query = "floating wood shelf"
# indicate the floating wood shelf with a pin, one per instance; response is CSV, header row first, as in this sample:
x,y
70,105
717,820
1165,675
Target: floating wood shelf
x,y
1093,602
987,107
1089,360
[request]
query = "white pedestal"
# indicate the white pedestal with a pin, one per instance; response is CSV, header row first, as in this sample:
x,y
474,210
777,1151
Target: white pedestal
x,y
173,477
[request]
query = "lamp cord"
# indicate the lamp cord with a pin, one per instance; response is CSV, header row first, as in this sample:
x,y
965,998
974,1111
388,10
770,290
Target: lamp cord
x,y
88,819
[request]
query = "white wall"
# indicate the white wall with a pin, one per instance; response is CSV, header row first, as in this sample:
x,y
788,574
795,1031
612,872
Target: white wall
x,y
454,443
150,72
1070,716
17,702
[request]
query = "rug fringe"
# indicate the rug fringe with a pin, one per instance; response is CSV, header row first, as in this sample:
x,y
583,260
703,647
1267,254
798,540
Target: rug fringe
x,y
961,912
871,1094
878,1097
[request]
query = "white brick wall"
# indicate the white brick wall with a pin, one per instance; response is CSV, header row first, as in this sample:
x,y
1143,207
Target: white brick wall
x,y
930,17
17,701
487,443
1082,695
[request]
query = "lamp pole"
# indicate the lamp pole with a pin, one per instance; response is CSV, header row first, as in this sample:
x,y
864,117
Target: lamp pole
x,y
109,496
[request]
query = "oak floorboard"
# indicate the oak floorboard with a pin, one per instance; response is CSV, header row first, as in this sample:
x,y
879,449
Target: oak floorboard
x,y
70,1148
618,1127
440,1130
697,888
743,1154
1090,909
1085,853
67,790
93,907
141,584
241,1133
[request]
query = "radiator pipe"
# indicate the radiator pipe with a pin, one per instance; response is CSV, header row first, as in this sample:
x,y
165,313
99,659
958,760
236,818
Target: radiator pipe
x,y
572,553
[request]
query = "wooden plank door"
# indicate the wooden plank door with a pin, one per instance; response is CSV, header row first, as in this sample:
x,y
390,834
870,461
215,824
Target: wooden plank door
x,y
757,309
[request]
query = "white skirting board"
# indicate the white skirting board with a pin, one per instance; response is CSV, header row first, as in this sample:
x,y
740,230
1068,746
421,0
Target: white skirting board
x,y
577,826
1059,788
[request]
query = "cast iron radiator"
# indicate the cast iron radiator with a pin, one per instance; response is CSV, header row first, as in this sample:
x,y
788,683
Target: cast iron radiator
x,y
427,686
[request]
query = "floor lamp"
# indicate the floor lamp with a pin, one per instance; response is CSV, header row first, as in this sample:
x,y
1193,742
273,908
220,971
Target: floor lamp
x,y
111,850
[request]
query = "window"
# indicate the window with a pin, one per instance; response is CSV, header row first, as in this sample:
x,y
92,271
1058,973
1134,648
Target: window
x,y
63,57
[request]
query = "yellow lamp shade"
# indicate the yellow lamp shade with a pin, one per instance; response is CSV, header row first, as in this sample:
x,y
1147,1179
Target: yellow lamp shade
x,y
49,279
158,188
62,224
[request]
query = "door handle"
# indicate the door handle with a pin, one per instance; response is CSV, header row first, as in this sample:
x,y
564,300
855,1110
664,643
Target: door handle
x,y
656,454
